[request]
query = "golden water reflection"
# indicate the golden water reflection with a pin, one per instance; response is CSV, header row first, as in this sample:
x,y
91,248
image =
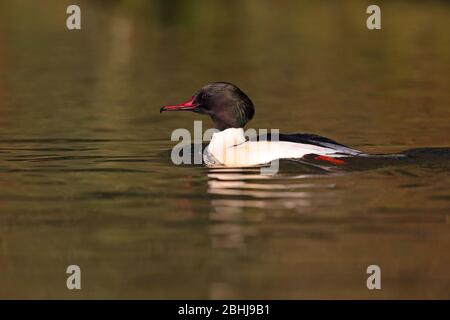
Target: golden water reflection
x,y
236,190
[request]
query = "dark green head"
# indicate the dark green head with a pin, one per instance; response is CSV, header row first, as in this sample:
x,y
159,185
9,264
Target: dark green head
x,y
224,102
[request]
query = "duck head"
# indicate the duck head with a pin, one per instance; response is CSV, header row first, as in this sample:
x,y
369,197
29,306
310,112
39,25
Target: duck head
x,y
226,104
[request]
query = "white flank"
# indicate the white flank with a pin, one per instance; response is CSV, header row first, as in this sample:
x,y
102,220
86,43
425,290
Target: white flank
x,y
230,148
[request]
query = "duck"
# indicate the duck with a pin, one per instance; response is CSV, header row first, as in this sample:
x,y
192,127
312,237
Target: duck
x,y
231,109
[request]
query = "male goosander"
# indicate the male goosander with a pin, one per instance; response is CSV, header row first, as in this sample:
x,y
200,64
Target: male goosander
x,y
231,109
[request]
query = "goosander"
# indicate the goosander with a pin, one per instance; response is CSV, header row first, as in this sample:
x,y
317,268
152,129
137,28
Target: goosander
x,y
231,109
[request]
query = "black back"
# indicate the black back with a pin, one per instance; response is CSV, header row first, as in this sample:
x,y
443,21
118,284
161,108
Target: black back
x,y
312,139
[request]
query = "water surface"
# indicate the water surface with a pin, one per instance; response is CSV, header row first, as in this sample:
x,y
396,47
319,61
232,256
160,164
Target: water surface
x,y
85,178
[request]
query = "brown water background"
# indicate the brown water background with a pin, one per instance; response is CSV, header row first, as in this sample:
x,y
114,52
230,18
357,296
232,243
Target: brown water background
x,y
85,179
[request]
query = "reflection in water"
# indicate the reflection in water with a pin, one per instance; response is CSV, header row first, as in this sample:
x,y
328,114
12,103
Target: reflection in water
x,y
239,189
256,186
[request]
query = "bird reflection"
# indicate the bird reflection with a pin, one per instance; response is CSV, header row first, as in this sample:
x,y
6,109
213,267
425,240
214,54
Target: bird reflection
x,y
243,199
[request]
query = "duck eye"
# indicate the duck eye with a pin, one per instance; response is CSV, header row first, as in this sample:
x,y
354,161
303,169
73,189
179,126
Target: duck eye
x,y
205,96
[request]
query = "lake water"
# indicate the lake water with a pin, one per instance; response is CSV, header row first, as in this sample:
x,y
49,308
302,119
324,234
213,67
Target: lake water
x,y
85,176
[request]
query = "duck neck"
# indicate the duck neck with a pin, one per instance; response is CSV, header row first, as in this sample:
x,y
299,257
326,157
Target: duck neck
x,y
228,138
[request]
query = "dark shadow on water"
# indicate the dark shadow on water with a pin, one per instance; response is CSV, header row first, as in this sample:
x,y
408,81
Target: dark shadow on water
x,y
424,157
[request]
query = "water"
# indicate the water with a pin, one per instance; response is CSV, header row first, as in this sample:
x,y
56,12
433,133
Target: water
x,y
85,177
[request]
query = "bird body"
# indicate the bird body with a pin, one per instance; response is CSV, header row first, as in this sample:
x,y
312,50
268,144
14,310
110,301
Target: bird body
x,y
231,148
231,109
